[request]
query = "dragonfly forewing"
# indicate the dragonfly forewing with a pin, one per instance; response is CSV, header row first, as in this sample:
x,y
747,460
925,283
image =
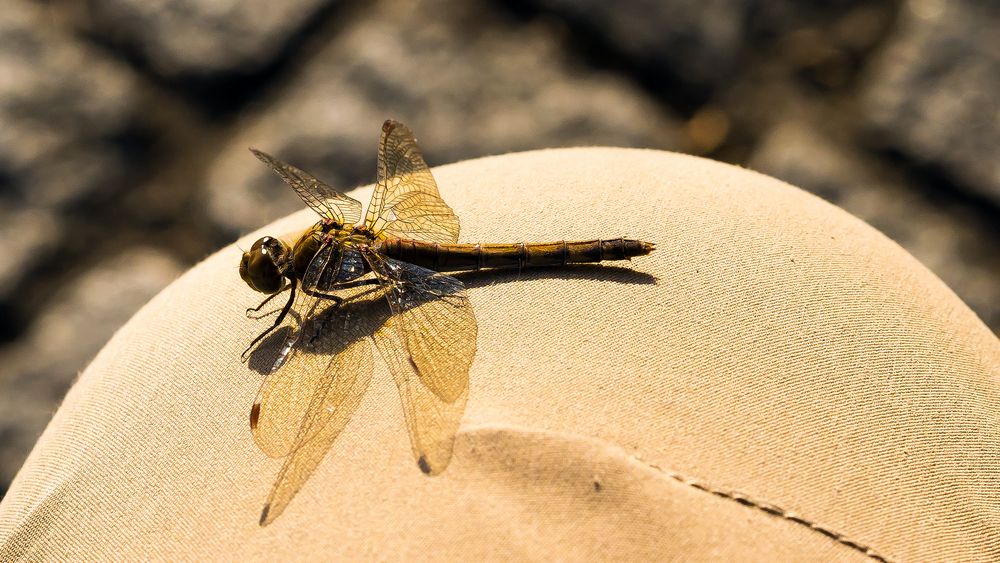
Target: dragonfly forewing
x,y
406,202
321,197
300,368
336,394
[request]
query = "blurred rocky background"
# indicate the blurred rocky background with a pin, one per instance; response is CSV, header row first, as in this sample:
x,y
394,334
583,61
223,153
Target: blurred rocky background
x,y
124,126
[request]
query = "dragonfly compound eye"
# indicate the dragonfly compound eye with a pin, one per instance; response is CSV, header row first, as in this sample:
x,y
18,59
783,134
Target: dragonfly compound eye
x,y
244,266
259,266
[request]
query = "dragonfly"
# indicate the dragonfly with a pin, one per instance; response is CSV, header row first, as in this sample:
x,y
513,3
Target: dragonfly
x,y
337,271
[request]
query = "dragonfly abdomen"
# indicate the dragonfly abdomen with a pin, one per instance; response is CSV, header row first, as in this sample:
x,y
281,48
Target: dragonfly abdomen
x,y
460,257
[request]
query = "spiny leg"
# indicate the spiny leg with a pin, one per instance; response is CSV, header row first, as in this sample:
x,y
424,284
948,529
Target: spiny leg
x,y
277,321
264,303
291,299
346,285
337,300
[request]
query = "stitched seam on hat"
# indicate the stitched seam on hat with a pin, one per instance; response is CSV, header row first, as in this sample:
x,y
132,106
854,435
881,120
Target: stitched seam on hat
x,y
772,510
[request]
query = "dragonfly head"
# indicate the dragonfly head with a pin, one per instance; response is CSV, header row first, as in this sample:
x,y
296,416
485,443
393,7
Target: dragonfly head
x,y
263,265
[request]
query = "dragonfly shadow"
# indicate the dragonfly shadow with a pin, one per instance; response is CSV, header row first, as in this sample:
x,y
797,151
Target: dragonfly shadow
x,y
329,330
599,272
367,311
264,355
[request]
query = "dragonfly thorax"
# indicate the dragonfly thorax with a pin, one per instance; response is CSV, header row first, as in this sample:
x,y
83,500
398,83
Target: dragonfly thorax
x,y
264,266
340,246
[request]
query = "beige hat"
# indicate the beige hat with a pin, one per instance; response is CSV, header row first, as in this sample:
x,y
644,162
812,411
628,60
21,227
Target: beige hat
x,y
777,381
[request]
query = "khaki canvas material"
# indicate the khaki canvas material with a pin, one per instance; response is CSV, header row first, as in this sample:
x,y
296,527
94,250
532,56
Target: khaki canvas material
x,y
777,381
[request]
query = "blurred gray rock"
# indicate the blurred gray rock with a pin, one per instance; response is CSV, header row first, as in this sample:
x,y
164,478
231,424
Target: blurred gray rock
x,y
947,238
698,41
933,92
203,37
64,337
782,16
822,41
468,81
61,105
28,235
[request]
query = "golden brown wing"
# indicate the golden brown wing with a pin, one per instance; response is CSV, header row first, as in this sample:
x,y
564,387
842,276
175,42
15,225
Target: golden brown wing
x,y
406,202
316,386
322,198
286,393
428,343
337,391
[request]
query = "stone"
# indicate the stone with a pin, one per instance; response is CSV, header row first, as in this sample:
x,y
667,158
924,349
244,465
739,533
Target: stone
x,y
931,94
204,38
62,105
29,235
698,42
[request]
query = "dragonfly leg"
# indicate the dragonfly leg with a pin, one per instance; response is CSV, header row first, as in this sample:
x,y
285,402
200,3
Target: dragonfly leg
x,y
321,295
356,283
345,285
277,321
263,303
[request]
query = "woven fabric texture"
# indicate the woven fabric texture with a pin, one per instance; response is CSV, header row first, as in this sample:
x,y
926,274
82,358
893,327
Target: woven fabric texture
x,y
777,380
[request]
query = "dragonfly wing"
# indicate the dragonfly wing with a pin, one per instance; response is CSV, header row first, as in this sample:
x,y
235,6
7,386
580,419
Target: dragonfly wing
x,y
406,202
428,343
336,389
316,384
322,198
299,370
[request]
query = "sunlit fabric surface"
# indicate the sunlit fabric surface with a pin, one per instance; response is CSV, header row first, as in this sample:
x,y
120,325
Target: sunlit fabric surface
x,y
791,385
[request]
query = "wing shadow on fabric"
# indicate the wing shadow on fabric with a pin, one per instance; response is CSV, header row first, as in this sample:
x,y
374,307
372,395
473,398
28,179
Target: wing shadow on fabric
x,y
598,272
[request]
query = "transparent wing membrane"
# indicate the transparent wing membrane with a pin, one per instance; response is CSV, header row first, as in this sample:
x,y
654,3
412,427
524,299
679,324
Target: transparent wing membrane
x,y
317,382
406,202
312,398
431,422
285,395
317,386
322,198
429,344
